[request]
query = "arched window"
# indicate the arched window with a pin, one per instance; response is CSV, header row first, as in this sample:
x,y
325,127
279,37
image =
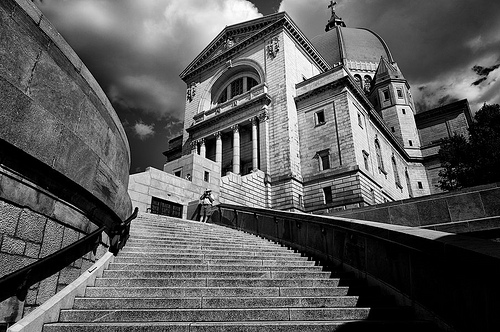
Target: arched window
x,y
395,170
238,84
367,83
378,152
357,78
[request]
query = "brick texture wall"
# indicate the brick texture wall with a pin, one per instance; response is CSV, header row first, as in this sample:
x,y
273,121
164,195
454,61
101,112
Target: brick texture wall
x,y
248,190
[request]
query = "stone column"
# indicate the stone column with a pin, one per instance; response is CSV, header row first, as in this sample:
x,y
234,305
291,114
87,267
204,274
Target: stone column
x,y
236,149
255,148
218,148
203,150
264,140
194,147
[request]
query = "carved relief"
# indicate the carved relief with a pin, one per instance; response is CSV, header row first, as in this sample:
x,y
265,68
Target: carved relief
x,y
273,47
228,43
191,91
264,115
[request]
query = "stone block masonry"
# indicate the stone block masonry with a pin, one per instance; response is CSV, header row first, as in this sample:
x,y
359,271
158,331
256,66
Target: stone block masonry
x,y
25,237
249,190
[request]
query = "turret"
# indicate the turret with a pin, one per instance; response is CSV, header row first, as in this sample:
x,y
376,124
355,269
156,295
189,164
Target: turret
x,y
390,94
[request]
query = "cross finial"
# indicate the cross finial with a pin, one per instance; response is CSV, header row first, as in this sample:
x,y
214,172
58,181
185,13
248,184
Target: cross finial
x,y
332,6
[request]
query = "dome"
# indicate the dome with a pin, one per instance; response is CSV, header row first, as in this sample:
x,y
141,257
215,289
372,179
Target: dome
x,y
346,45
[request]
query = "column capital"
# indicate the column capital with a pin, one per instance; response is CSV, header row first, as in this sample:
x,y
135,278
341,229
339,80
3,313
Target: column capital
x,y
201,141
218,135
235,128
254,120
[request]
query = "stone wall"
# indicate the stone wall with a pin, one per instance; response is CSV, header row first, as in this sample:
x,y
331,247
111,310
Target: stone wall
x,y
155,183
248,190
63,150
471,210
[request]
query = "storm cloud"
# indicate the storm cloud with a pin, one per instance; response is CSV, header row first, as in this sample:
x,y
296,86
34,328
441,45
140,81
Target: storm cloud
x,y
137,48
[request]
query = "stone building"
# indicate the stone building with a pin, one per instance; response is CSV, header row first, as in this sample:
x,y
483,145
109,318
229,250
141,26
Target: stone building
x,y
309,125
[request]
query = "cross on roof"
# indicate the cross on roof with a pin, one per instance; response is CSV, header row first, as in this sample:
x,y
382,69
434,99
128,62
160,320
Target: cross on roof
x,y
332,6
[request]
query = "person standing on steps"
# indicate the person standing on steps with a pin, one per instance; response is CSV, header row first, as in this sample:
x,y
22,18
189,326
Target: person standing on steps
x,y
206,201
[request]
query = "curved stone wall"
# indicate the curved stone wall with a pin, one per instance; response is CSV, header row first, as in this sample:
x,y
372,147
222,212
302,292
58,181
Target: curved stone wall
x,y
53,109
64,155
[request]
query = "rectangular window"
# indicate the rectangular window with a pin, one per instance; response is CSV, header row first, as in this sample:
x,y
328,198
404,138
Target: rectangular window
x,y
420,185
327,193
178,172
404,111
324,159
360,120
319,117
386,95
410,142
400,93
393,130
206,177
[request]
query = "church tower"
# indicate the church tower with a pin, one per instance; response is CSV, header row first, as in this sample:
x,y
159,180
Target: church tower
x,y
390,94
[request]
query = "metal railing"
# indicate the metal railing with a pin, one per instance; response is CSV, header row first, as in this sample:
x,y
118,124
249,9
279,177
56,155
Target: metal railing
x,y
17,283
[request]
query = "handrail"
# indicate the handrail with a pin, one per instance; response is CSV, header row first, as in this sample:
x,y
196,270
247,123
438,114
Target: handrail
x,y
17,283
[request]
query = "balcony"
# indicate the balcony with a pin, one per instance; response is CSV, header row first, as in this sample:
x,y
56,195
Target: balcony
x,y
255,94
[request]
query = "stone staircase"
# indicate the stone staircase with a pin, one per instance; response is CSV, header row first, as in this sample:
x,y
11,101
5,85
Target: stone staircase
x,y
179,275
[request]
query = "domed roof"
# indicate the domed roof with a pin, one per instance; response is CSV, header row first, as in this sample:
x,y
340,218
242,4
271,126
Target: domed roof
x,y
342,44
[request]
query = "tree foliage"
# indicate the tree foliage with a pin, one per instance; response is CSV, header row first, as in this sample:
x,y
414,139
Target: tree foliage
x,y
474,160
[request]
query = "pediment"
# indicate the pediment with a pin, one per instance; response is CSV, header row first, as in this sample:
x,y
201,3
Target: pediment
x,y
232,38
237,37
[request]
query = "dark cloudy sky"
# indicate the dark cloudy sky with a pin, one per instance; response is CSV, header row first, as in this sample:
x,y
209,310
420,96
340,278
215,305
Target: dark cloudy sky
x,y
447,50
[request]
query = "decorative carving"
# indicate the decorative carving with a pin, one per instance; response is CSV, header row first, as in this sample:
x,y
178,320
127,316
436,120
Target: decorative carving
x,y
218,135
228,43
254,121
194,145
191,91
235,128
273,47
264,115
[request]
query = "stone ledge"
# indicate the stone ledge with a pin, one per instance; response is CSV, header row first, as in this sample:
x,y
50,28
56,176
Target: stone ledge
x,y
49,311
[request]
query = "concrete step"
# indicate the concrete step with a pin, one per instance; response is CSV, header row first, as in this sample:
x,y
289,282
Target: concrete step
x,y
214,282
146,258
212,251
210,255
211,267
212,246
286,326
210,315
214,274
214,302
202,291
202,242
150,259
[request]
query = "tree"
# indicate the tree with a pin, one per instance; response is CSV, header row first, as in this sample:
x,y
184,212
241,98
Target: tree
x,y
476,160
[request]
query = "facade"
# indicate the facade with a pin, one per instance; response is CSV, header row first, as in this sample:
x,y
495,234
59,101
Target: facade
x,y
297,124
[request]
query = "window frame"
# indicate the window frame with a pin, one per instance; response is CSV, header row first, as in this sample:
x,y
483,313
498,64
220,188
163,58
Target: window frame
x,y
226,86
316,118
324,156
327,195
